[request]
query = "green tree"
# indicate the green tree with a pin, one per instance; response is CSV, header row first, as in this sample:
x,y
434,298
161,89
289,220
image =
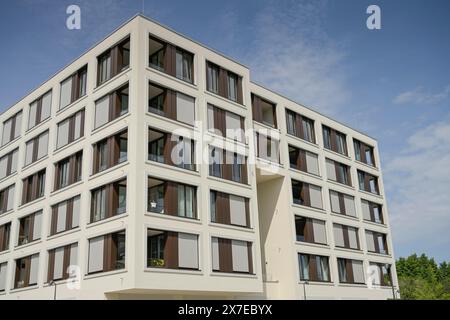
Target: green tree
x,y
421,278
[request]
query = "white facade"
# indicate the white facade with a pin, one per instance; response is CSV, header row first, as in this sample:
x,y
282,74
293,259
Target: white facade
x,y
272,269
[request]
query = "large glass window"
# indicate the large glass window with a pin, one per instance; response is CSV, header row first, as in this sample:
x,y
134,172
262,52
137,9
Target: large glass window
x,y
212,78
184,65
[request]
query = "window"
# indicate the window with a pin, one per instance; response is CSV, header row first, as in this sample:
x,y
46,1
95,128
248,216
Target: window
x,y
383,271
68,170
346,237
26,273
8,163
111,106
368,182
3,271
303,160
350,271
70,129
65,215
171,150
372,211
110,152
172,198
300,126
234,168
170,59
59,260
184,65
11,128
107,253
36,148
338,172
267,148
231,256
212,77
225,123
30,228
40,110
33,187
314,268
113,61
264,111
364,153
108,200
229,209
307,194
7,199
171,104
310,230
232,86
5,234
376,242
342,203
223,82
73,88
172,250
334,140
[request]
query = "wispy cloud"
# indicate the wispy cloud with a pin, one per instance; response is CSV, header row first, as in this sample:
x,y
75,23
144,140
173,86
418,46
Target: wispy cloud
x,y
421,96
418,178
290,53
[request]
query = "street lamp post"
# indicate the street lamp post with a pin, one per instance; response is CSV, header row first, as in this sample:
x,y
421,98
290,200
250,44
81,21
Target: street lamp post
x,y
53,283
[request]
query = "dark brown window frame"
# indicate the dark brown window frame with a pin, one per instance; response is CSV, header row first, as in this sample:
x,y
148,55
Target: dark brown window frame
x,y
169,58
366,182
339,177
27,272
170,197
349,271
4,194
72,119
9,155
112,145
383,283
27,233
35,150
268,141
345,229
257,110
303,198
110,251
312,269
308,230
5,236
69,215
76,90
223,82
38,102
361,153
30,187
226,256
222,209
13,120
226,169
298,126
341,202
75,163
115,104
375,235
373,205
220,122
116,64
112,193
334,140
171,252
66,262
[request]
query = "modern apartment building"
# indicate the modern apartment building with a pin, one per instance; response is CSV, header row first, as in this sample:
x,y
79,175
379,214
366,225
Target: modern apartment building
x,y
152,167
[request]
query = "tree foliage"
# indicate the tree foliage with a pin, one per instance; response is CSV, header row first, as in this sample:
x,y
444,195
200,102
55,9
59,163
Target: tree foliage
x,y
421,278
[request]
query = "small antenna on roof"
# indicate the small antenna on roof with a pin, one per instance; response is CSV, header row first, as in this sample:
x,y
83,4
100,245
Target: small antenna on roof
x,y
143,7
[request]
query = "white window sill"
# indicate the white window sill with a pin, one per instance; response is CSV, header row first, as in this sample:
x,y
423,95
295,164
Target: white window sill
x,y
266,126
104,274
316,283
68,187
175,122
352,285
69,106
343,185
381,255
233,275
33,287
27,245
344,216
30,165
348,250
295,205
215,95
110,219
225,139
314,245
312,144
367,165
337,154
39,125
109,170
29,204
67,146
223,180
377,224
168,166
12,175
104,84
174,271
110,123
63,233
371,194
308,174
232,227
10,142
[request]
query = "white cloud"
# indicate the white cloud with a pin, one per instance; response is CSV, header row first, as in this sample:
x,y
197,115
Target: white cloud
x,y
290,54
418,179
421,96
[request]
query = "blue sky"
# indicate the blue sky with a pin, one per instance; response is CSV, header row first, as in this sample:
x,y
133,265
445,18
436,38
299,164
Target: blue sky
x,y
391,83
